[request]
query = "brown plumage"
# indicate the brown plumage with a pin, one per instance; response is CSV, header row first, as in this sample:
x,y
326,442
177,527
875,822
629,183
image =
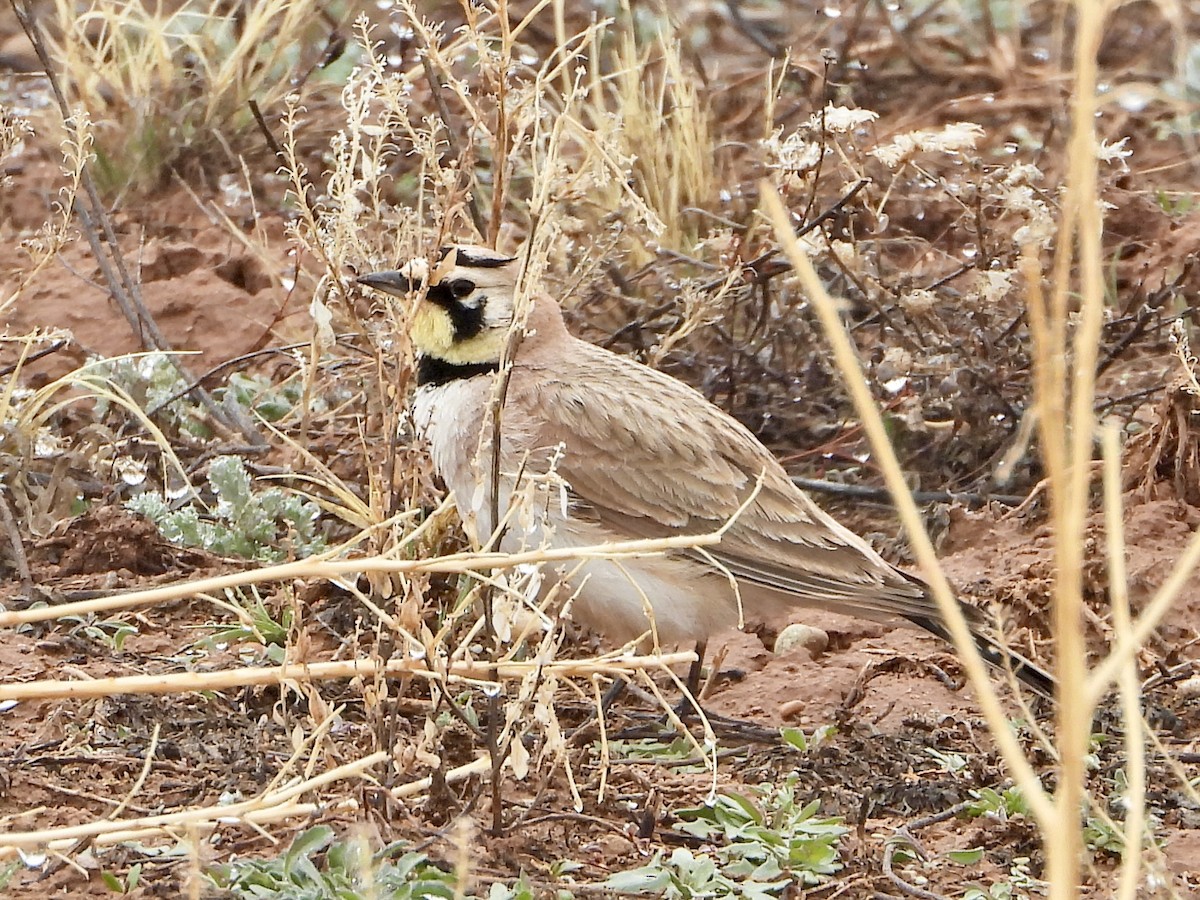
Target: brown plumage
x,y
637,454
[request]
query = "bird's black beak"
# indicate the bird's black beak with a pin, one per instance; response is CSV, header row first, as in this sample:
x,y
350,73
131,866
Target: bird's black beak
x,y
393,282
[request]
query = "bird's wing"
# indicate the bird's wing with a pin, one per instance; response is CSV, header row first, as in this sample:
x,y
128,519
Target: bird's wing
x,y
647,456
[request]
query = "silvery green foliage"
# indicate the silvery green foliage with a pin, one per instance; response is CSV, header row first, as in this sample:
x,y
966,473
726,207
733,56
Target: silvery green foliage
x,y
269,525
347,871
764,845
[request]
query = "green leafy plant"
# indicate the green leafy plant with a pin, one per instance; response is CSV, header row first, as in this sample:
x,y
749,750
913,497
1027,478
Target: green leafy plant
x,y
764,845
770,839
112,632
685,874
267,525
124,885
968,857
798,740
257,623
951,763
8,871
1002,805
654,749
316,867
1102,836
268,399
1018,884
154,383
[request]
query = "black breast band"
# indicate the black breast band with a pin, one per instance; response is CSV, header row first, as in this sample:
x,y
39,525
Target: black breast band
x,y
434,372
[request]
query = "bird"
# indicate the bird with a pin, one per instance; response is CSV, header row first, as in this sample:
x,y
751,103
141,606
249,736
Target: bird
x,y
606,449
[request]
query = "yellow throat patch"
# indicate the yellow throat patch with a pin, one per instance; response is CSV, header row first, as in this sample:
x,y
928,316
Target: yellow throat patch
x,y
432,333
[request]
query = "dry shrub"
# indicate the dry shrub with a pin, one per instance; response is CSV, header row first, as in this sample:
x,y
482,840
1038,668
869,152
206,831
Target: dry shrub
x,y
170,84
1164,460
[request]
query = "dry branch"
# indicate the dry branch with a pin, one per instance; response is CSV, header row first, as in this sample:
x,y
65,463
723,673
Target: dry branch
x,y
297,673
457,563
271,807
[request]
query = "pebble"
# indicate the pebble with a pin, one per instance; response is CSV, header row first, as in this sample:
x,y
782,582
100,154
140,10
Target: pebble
x,y
1190,688
814,640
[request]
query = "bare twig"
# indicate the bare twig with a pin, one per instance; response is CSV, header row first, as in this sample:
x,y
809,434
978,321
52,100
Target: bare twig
x,y
298,673
33,357
866,492
18,549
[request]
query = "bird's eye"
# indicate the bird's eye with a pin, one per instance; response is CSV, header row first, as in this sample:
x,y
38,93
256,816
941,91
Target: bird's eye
x,y
462,287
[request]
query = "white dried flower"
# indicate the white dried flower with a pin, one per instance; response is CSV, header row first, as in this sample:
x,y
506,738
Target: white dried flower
x,y
47,444
1023,173
993,285
896,365
1115,153
1038,233
792,154
847,254
951,139
842,119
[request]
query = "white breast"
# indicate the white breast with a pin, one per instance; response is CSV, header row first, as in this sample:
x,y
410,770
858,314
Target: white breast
x,y
449,417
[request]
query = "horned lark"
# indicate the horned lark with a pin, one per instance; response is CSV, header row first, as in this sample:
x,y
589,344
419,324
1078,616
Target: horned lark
x,y
639,455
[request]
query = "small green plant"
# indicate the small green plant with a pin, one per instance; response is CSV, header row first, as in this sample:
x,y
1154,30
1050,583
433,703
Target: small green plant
x,y
466,705
112,633
1175,203
258,393
154,383
764,845
257,623
951,763
798,740
316,867
654,749
969,857
1018,884
1100,835
8,871
996,804
267,525
685,874
124,885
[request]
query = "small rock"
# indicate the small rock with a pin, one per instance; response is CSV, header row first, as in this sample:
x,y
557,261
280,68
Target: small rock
x,y
792,709
1189,688
814,640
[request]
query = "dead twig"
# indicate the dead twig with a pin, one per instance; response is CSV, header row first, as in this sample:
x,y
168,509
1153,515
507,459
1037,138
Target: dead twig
x,y
20,560
33,357
971,500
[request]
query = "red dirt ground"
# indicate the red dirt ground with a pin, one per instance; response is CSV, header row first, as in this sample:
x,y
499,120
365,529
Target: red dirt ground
x,y
893,693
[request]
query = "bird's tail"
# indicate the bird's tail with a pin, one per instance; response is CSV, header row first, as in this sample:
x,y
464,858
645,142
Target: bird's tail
x,y
994,653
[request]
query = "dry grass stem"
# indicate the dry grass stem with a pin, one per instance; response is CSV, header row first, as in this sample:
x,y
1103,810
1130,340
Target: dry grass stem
x,y
477,673
275,806
910,517
456,563
1129,681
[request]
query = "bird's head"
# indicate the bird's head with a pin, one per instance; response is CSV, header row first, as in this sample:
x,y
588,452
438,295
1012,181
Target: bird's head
x,y
464,302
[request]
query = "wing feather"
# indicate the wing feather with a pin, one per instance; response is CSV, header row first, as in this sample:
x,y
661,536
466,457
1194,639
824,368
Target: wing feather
x,y
648,456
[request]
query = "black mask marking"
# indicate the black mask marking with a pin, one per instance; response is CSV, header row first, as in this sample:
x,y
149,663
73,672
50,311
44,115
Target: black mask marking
x,y
467,321
466,258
